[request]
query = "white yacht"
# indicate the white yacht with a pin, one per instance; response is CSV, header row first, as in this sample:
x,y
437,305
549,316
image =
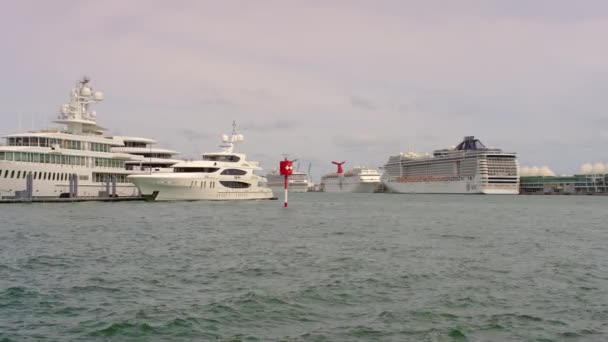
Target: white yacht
x,y
77,160
223,175
147,158
358,179
469,168
298,181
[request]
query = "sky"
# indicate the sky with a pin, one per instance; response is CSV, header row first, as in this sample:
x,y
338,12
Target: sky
x,y
320,80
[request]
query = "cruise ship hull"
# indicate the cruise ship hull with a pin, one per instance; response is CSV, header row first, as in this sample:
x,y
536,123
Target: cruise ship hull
x,y
163,188
450,187
292,187
298,182
347,185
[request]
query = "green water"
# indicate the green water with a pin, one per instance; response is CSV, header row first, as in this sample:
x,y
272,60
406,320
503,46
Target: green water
x,y
368,267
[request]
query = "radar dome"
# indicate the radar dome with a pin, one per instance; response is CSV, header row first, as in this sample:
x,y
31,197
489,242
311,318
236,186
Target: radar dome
x,y
240,137
93,113
224,137
97,96
586,168
85,91
534,171
545,171
599,168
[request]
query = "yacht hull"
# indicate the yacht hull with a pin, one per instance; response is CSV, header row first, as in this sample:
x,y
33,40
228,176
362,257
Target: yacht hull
x,y
48,183
194,189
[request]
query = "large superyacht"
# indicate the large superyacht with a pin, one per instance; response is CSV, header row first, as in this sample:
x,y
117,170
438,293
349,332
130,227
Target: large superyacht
x,y
468,168
58,161
147,158
223,175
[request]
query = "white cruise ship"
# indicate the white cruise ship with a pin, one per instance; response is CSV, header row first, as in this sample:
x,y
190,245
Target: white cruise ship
x,y
77,160
298,181
469,168
147,158
223,175
358,179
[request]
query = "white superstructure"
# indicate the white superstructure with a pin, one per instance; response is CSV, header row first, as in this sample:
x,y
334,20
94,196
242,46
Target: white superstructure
x,y
358,179
147,158
298,181
469,168
223,175
57,162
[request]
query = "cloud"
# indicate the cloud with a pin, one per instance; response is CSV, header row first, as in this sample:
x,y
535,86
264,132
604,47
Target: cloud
x,y
363,142
191,135
378,76
360,102
268,126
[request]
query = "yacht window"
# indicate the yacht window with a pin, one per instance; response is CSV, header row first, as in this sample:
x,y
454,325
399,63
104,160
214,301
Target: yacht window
x,y
221,158
35,174
196,169
13,174
1,155
5,173
235,185
18,174
234,172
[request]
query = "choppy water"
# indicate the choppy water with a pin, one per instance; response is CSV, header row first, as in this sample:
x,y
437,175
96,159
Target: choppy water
x,y
367,267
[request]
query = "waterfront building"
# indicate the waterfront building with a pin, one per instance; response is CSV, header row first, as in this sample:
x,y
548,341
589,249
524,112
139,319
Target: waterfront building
x,y
580,184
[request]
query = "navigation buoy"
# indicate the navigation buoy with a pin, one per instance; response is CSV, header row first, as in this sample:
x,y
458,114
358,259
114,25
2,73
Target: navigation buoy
x,y
286,170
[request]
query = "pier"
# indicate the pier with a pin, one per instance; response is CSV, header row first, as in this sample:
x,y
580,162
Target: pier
x,y
71,199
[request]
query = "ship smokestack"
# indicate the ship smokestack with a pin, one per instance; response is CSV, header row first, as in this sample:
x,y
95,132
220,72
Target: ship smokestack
x,y
340,170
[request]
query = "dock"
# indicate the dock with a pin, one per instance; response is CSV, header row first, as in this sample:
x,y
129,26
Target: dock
x,y
71,199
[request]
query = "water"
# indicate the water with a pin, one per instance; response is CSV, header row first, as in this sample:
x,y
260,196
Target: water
x,y
369,267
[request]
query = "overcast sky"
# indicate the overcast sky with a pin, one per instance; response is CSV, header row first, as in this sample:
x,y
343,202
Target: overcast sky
x,y
320,80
